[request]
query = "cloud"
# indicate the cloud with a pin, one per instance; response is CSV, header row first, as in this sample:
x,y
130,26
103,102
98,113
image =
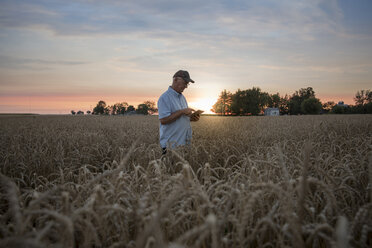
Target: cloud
x,y
249,19
328,69
34,63
301,64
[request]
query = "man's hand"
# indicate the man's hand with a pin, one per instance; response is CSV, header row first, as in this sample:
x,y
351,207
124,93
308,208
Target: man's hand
x,y
194,117
188,111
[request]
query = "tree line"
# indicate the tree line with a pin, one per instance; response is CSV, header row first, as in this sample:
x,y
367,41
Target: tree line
x,y
122,108
303,101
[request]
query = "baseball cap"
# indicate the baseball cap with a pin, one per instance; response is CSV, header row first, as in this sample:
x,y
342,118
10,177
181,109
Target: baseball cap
x,y
185,75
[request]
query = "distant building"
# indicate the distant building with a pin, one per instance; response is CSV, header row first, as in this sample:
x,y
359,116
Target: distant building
x,y
341,104
272,111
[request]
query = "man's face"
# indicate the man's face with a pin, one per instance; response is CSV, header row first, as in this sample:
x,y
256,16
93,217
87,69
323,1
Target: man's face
x,y
179,84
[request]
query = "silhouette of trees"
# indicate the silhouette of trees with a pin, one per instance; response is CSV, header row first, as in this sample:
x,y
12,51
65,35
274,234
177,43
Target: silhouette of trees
x,y
363,104
283,105
119,108
223,104
253,102
242,102
100,108
363,97
311,106
151,107
249,102
368,108
294,105
131,108
142,109
147,107
274,101
337,109
328,106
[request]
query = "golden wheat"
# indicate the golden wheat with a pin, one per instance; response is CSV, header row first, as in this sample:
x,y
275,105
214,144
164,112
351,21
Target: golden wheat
x,y
101,181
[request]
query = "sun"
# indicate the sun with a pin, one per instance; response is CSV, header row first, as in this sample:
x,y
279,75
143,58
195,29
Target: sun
x,y
204,104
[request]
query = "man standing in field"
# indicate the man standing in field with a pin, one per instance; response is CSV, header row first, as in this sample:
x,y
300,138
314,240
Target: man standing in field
x,y
174,113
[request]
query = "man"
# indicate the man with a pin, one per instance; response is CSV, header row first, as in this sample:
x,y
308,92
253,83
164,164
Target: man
x,y
174,113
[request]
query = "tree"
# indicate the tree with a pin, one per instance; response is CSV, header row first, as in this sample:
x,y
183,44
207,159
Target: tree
x,y
73,112
249,102
80,112
328,106
274,101
143,109
368,108
88,112
130,108
100,108
294,105
264,99
242,104
311,106
283,105
151,107
223,104
336,109
363,97
113,109
107,110
369,96
217,107
119,108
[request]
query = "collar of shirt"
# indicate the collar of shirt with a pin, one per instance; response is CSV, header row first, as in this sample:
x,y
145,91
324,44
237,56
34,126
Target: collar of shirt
x,y
172,91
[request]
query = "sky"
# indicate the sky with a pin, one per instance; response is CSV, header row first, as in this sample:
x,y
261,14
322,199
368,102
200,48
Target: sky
x,y
58,56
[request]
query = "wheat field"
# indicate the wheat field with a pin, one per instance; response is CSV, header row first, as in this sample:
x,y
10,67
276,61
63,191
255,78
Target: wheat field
x,y
101,181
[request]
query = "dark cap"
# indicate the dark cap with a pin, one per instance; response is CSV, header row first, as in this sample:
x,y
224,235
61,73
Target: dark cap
x,y
185,75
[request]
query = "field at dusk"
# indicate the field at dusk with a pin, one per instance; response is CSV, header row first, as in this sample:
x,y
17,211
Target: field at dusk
x,y
101,181
84,83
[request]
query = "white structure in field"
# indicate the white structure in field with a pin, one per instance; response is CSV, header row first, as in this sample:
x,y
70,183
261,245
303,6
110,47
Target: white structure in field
x,y
342,104
272,111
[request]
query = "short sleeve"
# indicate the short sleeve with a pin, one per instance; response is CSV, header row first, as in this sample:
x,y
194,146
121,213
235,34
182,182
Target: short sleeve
x,y
164,107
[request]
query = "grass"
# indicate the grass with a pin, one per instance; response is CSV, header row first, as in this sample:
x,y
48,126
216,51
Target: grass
x,y
100,181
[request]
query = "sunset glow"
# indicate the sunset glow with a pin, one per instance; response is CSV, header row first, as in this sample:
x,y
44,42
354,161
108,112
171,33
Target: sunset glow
x,y
204,104
61,56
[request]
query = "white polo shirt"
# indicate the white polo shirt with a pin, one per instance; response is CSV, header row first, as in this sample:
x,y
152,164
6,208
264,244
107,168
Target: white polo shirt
x,y
178,132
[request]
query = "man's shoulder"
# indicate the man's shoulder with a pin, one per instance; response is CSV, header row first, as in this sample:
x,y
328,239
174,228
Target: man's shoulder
x,y
166,95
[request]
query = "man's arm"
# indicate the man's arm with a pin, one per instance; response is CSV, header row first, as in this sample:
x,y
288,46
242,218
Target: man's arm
x,y
174,116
